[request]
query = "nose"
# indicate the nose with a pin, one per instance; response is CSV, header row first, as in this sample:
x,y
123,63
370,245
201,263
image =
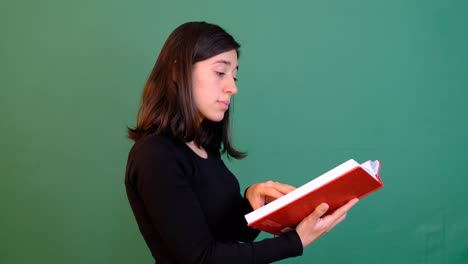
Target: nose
x,y
230,87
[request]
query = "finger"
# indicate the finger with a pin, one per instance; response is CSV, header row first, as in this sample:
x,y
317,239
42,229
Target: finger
x,y
337,221
344,209
319,211
280,187
329,222
272,193
257,203
285,188
339,215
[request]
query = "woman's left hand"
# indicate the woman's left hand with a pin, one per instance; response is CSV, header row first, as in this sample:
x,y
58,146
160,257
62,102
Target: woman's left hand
x,y
260,194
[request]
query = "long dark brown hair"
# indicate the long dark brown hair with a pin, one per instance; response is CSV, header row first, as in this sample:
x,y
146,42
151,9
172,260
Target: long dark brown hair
x,y
167,106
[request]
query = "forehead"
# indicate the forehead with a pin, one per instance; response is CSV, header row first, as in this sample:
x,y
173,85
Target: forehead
x,y
228,58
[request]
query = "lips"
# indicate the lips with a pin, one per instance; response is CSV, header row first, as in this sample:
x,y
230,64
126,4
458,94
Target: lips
x,y
224,104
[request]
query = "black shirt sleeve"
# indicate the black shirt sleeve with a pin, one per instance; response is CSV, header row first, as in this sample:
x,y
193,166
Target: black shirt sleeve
x,y
246,233
173,222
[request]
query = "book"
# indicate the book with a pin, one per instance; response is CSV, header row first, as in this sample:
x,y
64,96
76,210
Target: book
x,y
335,187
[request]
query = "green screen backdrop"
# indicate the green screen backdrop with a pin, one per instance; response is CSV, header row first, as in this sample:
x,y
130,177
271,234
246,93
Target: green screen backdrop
x,y
320,82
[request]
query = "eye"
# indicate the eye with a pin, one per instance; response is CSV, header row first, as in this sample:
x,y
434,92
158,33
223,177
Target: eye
x,y
220,74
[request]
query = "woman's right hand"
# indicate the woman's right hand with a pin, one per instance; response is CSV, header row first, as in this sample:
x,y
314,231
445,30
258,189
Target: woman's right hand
x,y
314,225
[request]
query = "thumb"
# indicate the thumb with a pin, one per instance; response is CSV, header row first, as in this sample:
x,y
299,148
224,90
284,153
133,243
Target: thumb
x,y
320,210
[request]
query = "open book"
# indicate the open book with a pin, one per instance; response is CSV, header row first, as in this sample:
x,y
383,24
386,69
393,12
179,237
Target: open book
x,y
336,187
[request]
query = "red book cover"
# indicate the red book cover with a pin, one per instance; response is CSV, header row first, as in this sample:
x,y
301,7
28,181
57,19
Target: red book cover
x,y
336,187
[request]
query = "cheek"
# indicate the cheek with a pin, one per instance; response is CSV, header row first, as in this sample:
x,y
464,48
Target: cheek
x,y
201,96
207,88
197,89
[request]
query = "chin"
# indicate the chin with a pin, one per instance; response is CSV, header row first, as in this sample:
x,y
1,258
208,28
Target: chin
x,y
216,118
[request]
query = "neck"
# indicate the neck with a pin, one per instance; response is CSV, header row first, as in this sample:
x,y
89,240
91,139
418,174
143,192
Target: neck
x,y
198,150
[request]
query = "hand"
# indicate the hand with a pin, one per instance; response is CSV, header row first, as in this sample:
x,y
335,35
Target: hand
x,y
262,193
314,225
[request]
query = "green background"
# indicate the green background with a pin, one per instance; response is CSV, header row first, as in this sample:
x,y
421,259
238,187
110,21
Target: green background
x,y
319,82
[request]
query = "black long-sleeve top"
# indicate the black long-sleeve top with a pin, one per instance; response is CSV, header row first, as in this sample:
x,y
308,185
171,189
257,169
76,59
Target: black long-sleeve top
x,y
190,210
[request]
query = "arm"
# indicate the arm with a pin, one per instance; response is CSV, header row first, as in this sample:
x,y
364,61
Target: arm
x,y
179,223
246,233
313,226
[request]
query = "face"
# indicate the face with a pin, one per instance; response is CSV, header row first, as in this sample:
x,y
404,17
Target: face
x,y
213,84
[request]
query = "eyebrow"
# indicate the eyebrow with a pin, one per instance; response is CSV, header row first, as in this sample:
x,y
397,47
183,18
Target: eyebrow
x,y
228,63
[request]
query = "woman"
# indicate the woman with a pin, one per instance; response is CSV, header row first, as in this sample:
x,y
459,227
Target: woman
x,y
187,203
